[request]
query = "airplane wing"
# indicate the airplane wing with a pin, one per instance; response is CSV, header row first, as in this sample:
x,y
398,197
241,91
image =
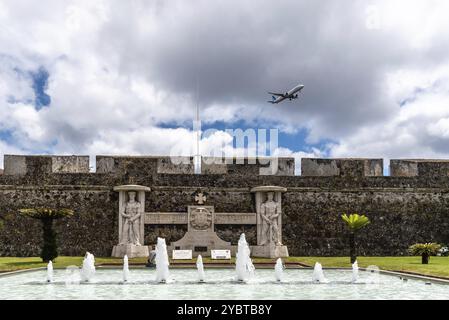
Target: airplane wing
x,y
277,94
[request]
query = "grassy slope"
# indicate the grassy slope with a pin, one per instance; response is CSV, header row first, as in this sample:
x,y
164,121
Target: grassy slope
x,y
439,266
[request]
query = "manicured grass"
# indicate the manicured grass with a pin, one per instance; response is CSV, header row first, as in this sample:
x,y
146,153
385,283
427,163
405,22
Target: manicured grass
x,y
17,263
438,266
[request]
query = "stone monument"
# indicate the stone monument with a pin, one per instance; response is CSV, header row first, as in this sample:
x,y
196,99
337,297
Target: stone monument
x,y
200,236
131,222
269,222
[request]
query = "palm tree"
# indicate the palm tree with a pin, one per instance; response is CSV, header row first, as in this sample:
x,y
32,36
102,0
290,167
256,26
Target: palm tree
x,y
354,222
46,216
425,250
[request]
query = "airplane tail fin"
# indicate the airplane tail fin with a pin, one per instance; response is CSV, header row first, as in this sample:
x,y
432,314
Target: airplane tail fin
x,y
273,99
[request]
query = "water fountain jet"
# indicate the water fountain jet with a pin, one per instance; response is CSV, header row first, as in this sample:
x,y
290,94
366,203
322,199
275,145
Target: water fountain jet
x,y
200,267
50,271
279,270
355,272
318,274
244,267
88,268
125,268
162,272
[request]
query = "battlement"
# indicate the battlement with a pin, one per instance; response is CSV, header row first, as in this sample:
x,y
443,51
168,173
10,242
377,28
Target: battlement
x,y
135,165
248,166
419,167
314,167
21,165
138,165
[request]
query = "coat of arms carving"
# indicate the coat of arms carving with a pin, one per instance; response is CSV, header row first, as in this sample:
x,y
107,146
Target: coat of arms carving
x,y
200,218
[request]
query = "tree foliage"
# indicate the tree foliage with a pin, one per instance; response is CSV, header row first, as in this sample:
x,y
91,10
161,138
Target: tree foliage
x,y
419,249
49,250
355,221
46,213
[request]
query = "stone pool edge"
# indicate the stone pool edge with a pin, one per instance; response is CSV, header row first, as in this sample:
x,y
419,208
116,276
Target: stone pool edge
x,y
403,274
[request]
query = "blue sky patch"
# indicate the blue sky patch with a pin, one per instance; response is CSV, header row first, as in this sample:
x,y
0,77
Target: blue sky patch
x,y
40,83
293,141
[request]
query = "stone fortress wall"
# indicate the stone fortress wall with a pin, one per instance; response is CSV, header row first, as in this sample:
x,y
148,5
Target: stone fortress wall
x,y
411,205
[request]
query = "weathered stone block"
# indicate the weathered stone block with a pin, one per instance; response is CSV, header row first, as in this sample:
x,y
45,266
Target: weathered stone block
x,y
126,165
14,164
311,167
175,165
248,166
419,167
433,168
70,164
20,165
211,165
373,167
403,168
105,164
285,167
38,165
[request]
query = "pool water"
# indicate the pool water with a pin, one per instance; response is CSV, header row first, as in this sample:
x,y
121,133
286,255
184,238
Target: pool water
x,y
219,284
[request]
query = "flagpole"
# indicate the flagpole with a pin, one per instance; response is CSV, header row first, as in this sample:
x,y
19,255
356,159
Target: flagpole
x,y
198,132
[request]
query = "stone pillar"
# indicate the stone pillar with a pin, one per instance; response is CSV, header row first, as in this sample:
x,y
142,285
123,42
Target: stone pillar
x,y
131,247
268,245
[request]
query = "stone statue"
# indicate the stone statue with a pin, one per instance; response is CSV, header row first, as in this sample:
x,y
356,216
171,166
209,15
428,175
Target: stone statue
x,y
270,211
131,221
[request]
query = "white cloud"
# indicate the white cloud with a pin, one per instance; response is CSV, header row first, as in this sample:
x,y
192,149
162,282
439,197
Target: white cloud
x,y
417,129
119,70
439,129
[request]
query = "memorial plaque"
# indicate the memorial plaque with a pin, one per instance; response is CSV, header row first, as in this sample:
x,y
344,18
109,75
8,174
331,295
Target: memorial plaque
x,y
220,254
182,254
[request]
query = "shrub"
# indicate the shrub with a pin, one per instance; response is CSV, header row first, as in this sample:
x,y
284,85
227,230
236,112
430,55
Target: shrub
x,y
425,250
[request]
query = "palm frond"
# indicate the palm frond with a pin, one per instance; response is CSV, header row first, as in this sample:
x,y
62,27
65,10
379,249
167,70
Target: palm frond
x,y
424,248
355,221
43,213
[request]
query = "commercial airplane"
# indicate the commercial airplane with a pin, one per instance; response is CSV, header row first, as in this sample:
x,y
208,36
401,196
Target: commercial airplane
x,y
291,94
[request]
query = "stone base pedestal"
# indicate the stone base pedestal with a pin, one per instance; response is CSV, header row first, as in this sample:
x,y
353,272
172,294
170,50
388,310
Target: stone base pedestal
x,y
131,250
200,242
269,251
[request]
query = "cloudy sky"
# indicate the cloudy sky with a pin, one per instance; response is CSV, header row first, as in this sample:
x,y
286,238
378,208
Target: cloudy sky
x,y
124,77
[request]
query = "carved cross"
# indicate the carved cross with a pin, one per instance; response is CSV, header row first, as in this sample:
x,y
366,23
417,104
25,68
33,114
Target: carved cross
x,y
200,198
132,180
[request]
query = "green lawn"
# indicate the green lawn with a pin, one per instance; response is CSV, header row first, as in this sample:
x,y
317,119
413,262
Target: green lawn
x,y
16,263
438,266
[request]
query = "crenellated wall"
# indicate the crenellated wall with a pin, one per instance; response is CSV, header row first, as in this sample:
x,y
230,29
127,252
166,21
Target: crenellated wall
x,y
411,205
341,167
